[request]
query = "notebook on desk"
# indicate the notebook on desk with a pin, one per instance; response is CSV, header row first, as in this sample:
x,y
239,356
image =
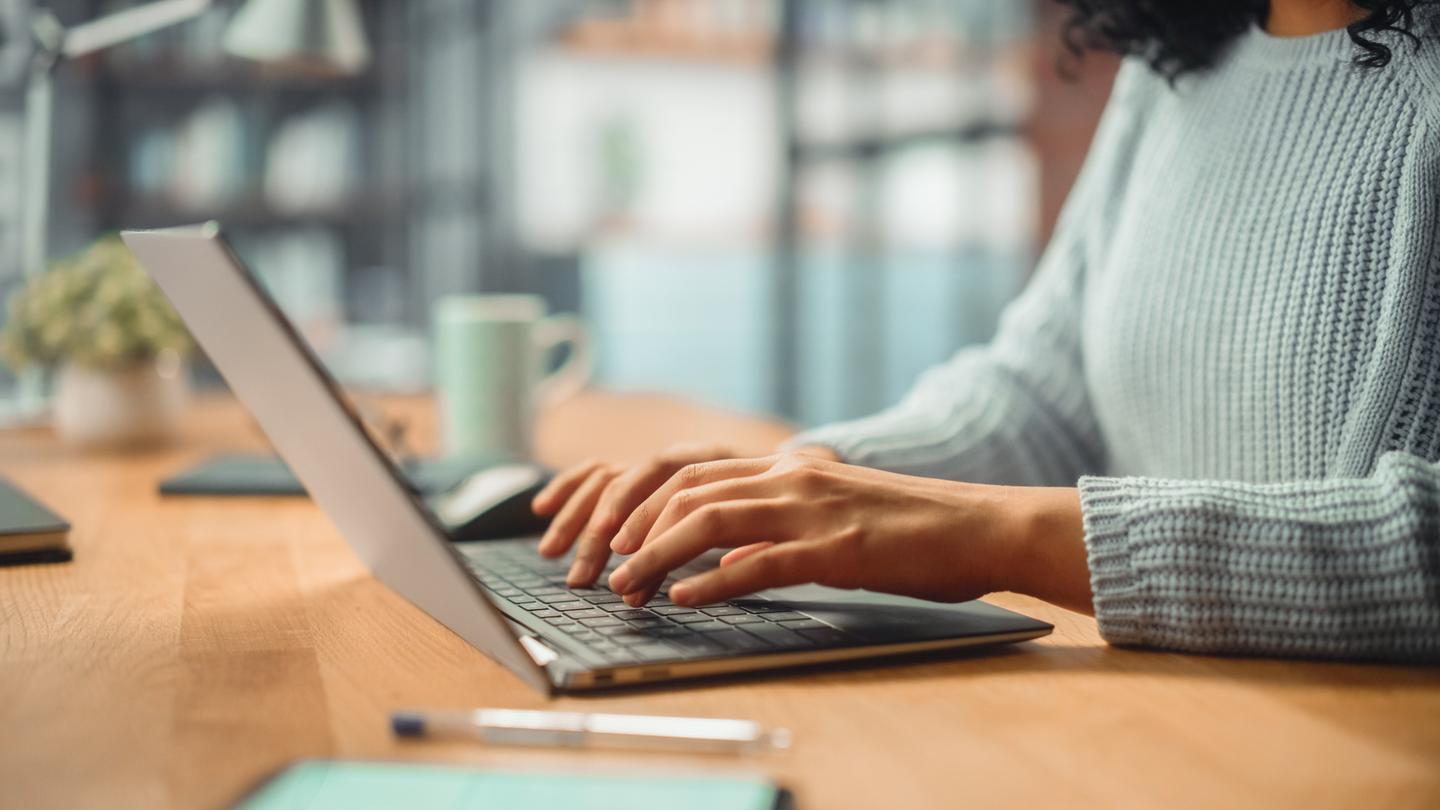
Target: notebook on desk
x,y
251,475
30,532
333,785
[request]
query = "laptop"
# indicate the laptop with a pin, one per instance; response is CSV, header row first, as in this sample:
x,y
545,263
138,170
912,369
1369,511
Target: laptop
x,y
500,595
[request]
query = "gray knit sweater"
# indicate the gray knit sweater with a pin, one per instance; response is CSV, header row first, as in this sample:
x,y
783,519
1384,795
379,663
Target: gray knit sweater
x,y
1233,346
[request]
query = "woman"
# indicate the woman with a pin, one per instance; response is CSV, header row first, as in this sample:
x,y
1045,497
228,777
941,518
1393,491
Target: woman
x,y
1213,418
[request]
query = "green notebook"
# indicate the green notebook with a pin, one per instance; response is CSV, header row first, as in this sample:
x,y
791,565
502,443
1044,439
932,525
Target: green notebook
x,y
323,785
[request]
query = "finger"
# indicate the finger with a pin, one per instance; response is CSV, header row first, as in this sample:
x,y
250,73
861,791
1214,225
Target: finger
x,y
554,494
592,550
627,492
716,525
642,595
688,501
591,554
781,566
741,553
572,518
637,527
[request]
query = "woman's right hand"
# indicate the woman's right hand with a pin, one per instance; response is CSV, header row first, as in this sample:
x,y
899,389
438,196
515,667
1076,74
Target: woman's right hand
x,y
591,501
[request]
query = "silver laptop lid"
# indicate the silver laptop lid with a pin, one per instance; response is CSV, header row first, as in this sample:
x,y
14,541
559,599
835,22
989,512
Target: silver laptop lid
x,y
298,405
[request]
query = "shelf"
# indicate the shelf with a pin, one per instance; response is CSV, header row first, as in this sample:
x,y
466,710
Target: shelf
x,y
223,76
253,212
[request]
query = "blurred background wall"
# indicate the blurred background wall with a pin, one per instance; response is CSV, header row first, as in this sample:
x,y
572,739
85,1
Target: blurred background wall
x,y
785,206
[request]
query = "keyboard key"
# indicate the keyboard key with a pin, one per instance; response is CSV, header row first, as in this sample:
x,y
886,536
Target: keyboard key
x,y
507,592
615,630
739,641
546,614
618,607
694,644
635,613
584,592
587,613
689,618
669,631
628,638
785,616
641,624
761,607
743,618
806,623
603,599
827,635
535,607
652,652
553,598
602,621
723,610
711,626
522,601
674,610
565,607
547,591
563,621
776,635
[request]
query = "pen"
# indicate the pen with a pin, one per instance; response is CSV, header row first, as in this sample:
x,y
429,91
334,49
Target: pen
x,y
583,730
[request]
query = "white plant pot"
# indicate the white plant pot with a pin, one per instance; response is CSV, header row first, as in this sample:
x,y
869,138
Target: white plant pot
x,y
130,407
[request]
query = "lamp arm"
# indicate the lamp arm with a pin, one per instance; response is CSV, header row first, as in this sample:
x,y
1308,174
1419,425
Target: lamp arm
x,y
123,26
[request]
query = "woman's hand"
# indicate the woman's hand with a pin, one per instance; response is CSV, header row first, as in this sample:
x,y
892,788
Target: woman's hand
x,y
590,501
794,519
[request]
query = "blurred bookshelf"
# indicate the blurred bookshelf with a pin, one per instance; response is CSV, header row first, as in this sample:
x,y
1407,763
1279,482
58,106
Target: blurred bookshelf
x,y
812,287
801,192
14,56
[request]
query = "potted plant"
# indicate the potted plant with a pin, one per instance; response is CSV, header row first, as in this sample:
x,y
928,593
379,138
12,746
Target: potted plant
x,y
117,347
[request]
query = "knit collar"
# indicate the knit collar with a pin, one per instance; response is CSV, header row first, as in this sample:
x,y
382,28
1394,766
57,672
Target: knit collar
x,y
1262,49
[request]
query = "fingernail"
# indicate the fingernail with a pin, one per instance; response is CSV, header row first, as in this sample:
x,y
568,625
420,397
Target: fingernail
x,y
620,580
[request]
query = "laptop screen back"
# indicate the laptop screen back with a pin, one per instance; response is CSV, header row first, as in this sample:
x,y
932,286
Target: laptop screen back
x,y
299,407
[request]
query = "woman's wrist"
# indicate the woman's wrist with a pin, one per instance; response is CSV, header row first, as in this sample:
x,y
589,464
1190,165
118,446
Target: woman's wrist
x,y
1046,556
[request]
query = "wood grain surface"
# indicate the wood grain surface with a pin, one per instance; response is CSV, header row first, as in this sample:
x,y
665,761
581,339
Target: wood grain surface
x,y
197,645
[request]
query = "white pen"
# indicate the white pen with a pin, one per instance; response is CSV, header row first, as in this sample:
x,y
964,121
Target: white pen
x,y
582,730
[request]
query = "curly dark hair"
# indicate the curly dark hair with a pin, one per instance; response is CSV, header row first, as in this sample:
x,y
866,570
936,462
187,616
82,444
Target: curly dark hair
x,y
1181,36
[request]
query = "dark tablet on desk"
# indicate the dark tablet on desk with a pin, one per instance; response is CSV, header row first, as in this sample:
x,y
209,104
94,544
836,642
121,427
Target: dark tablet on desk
x,y
252,475
29,531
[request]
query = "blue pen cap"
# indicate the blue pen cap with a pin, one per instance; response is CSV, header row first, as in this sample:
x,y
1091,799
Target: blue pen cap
x,y
407,724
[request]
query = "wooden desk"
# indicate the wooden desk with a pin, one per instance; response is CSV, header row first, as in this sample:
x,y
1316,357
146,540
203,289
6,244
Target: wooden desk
x,y
197,645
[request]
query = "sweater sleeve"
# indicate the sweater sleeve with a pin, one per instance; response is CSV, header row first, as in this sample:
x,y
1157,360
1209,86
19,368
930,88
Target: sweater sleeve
x,y
1015,411
1339,568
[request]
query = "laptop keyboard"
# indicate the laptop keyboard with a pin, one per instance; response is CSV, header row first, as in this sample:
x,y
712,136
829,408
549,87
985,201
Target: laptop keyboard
x,y
660,631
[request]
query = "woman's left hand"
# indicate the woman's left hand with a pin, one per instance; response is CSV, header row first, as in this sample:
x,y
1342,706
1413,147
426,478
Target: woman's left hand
x,y
794,519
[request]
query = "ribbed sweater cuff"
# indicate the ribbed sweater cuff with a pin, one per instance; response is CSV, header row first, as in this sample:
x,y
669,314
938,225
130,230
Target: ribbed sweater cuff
x,y
1119,593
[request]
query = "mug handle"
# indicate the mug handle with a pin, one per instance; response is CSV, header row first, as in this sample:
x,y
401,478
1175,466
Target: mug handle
x,y
572,376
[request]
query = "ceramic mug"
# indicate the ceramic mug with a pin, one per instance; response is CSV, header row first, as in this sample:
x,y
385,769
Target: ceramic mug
x,y
491,356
